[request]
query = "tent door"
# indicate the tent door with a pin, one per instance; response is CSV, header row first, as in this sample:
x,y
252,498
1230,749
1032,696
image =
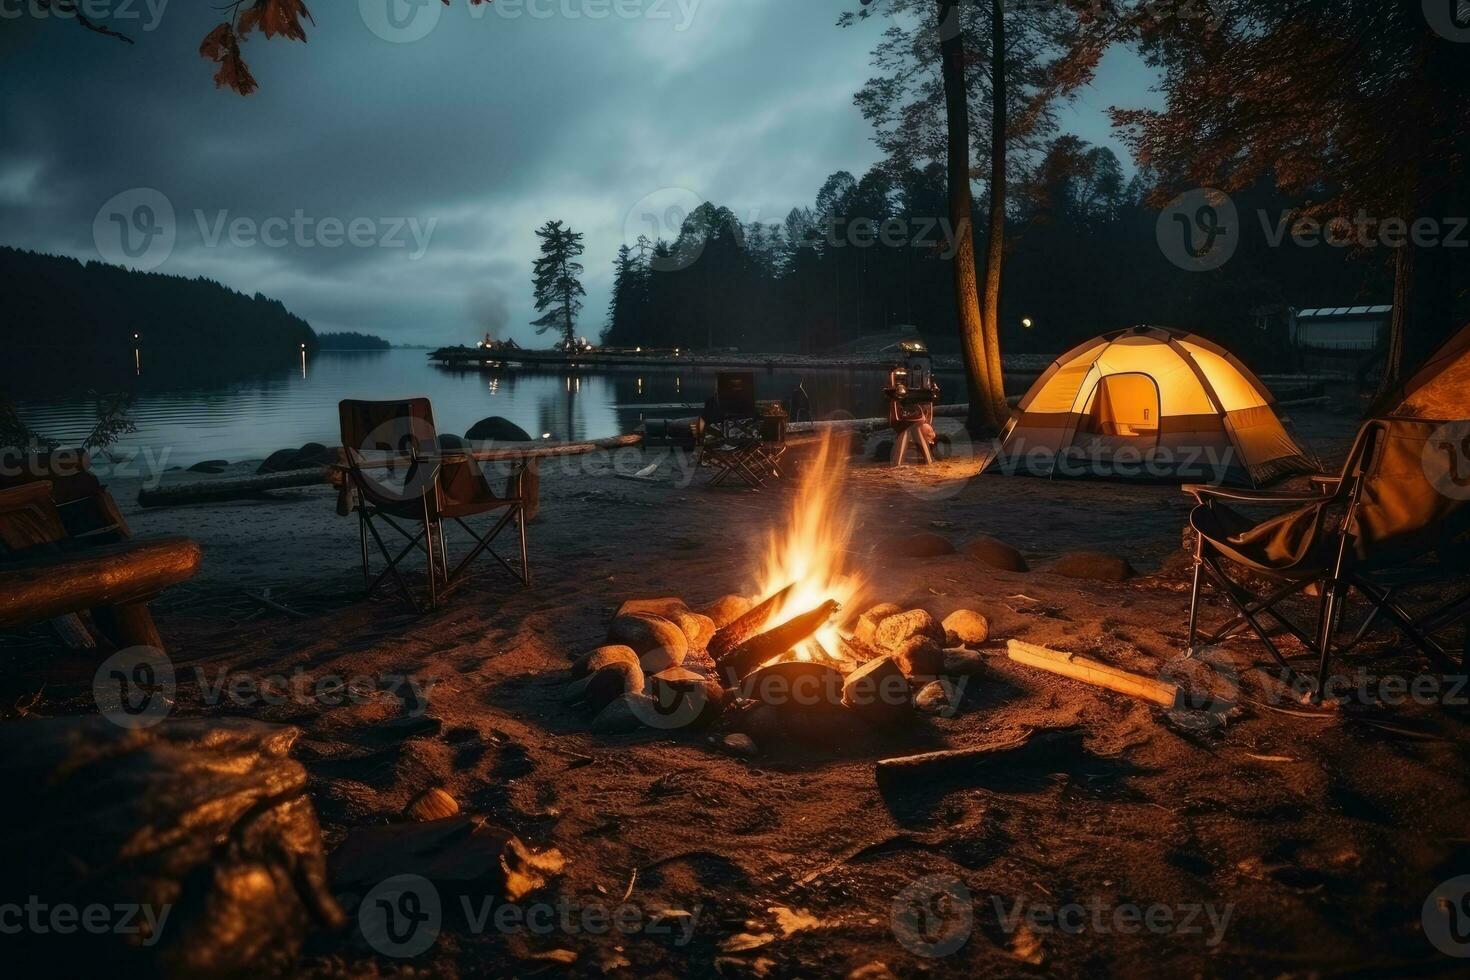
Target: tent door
x,y
1122,410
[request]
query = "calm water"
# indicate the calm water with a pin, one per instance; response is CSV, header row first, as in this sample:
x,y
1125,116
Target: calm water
x,y
251,419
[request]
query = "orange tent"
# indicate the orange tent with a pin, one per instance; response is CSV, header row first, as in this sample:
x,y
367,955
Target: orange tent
x,y
1150,403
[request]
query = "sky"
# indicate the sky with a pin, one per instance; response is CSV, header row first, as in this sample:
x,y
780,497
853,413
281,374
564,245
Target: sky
x,y
389,174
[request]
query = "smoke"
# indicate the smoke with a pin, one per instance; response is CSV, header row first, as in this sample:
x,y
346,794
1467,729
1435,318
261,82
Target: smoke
x,y
490,311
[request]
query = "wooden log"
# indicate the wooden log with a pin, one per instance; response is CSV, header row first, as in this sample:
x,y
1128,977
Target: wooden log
x,y
38,589
129,625
944,764
1094,672
238,488
746,626
772,643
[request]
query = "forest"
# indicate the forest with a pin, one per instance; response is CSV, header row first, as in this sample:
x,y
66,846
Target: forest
x,y
871,254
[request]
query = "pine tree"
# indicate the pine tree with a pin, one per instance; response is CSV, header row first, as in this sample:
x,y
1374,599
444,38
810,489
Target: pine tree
x,y
558,291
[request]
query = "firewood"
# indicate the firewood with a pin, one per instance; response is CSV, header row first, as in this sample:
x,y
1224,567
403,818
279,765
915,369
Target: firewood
x,y
948,763
772,643
746,626
1093,672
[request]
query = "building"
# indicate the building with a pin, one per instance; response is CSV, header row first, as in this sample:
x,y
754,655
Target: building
x,y
1346,329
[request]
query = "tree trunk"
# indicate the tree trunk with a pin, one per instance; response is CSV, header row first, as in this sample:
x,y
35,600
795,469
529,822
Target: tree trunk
x,y
982,421
1424,287
995,250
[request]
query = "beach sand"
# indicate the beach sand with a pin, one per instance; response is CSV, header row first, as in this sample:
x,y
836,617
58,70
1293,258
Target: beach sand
x,y
1293,841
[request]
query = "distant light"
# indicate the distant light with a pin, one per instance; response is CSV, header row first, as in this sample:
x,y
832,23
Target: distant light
x,y
135,336
303,347
638,350
546,435
1026,322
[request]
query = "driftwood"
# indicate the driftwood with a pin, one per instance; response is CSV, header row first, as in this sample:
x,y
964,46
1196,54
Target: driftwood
x,y
772,643
243,487
735,633
931,766
1094,672
38,589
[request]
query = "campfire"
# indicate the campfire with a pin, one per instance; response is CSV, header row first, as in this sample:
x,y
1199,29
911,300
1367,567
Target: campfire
x,y
796,648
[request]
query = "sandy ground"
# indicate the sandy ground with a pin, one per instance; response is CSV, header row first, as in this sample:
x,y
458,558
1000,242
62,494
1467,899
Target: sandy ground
x,y
1285,841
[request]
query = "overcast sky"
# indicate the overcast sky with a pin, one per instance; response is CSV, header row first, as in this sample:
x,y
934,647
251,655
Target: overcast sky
x,y
388,175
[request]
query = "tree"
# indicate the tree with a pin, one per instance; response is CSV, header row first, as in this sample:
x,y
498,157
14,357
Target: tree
x,y
1361,105
921,106
558,291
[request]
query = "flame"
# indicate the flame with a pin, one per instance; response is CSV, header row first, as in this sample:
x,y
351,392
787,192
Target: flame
x,y
810,552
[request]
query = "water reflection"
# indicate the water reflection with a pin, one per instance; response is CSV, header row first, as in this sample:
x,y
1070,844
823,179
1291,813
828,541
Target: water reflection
x,y
195,418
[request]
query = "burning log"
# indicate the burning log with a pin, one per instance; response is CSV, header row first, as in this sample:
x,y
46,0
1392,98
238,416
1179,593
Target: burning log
x,y
1093,672
772,643
746,626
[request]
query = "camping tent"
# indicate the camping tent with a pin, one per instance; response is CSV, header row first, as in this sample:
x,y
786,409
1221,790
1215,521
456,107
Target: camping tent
x,y
1440,389
1150,403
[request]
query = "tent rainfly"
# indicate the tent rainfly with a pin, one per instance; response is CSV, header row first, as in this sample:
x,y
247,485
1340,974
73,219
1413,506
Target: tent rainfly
x,y
1150,403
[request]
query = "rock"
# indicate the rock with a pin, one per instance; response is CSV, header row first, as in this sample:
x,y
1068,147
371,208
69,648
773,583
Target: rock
x,y
210,466
934,699
867,627
696,627
919,656
497,429
667,608
685,699
596,691
963,663
875,970
659,643
1095,565
878,692
314,454
612,653
209,818
923,544
726,609
996,554
279,461
459,856
739,744
431,804
624,714
765,723
894,630
968,626
449,442
795,686
882,451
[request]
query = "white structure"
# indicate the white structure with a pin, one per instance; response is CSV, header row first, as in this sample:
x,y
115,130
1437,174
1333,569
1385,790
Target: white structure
x,y
1343,328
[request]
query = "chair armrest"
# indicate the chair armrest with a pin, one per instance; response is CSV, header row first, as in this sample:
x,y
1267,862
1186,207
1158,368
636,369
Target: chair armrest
x,y
1204,492
1326,483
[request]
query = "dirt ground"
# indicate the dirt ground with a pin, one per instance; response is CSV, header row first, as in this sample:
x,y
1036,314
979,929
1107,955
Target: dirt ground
x,y
1278,840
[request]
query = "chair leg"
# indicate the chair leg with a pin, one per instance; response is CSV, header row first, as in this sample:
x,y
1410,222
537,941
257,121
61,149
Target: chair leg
x,y
1330,596
525,550
1194,607
433,572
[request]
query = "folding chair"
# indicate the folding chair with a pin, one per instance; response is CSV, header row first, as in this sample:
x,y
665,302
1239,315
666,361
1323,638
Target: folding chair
x,y
1380,527
740,441
398,476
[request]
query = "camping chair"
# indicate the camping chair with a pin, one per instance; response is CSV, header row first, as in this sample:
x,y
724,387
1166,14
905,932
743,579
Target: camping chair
x,y
1383,525
739,441
397,475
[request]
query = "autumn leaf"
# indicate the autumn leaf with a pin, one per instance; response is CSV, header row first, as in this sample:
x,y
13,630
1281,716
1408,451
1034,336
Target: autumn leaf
x,y
276,17
222,46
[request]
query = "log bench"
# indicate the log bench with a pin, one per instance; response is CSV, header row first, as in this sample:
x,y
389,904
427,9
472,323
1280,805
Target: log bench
x,y
47,573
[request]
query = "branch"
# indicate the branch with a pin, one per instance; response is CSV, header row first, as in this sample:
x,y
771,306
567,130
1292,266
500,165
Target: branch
x,y
69,8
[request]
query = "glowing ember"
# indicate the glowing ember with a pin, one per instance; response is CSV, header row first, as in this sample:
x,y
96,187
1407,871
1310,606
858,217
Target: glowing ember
x,y
810,552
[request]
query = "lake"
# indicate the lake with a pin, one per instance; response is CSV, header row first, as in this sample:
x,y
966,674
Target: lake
x,y
249,419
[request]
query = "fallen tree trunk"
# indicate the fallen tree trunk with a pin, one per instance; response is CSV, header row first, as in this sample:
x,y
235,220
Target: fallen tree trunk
x,y
38,589
742,629
237,488
772,643
1093,672
929,767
